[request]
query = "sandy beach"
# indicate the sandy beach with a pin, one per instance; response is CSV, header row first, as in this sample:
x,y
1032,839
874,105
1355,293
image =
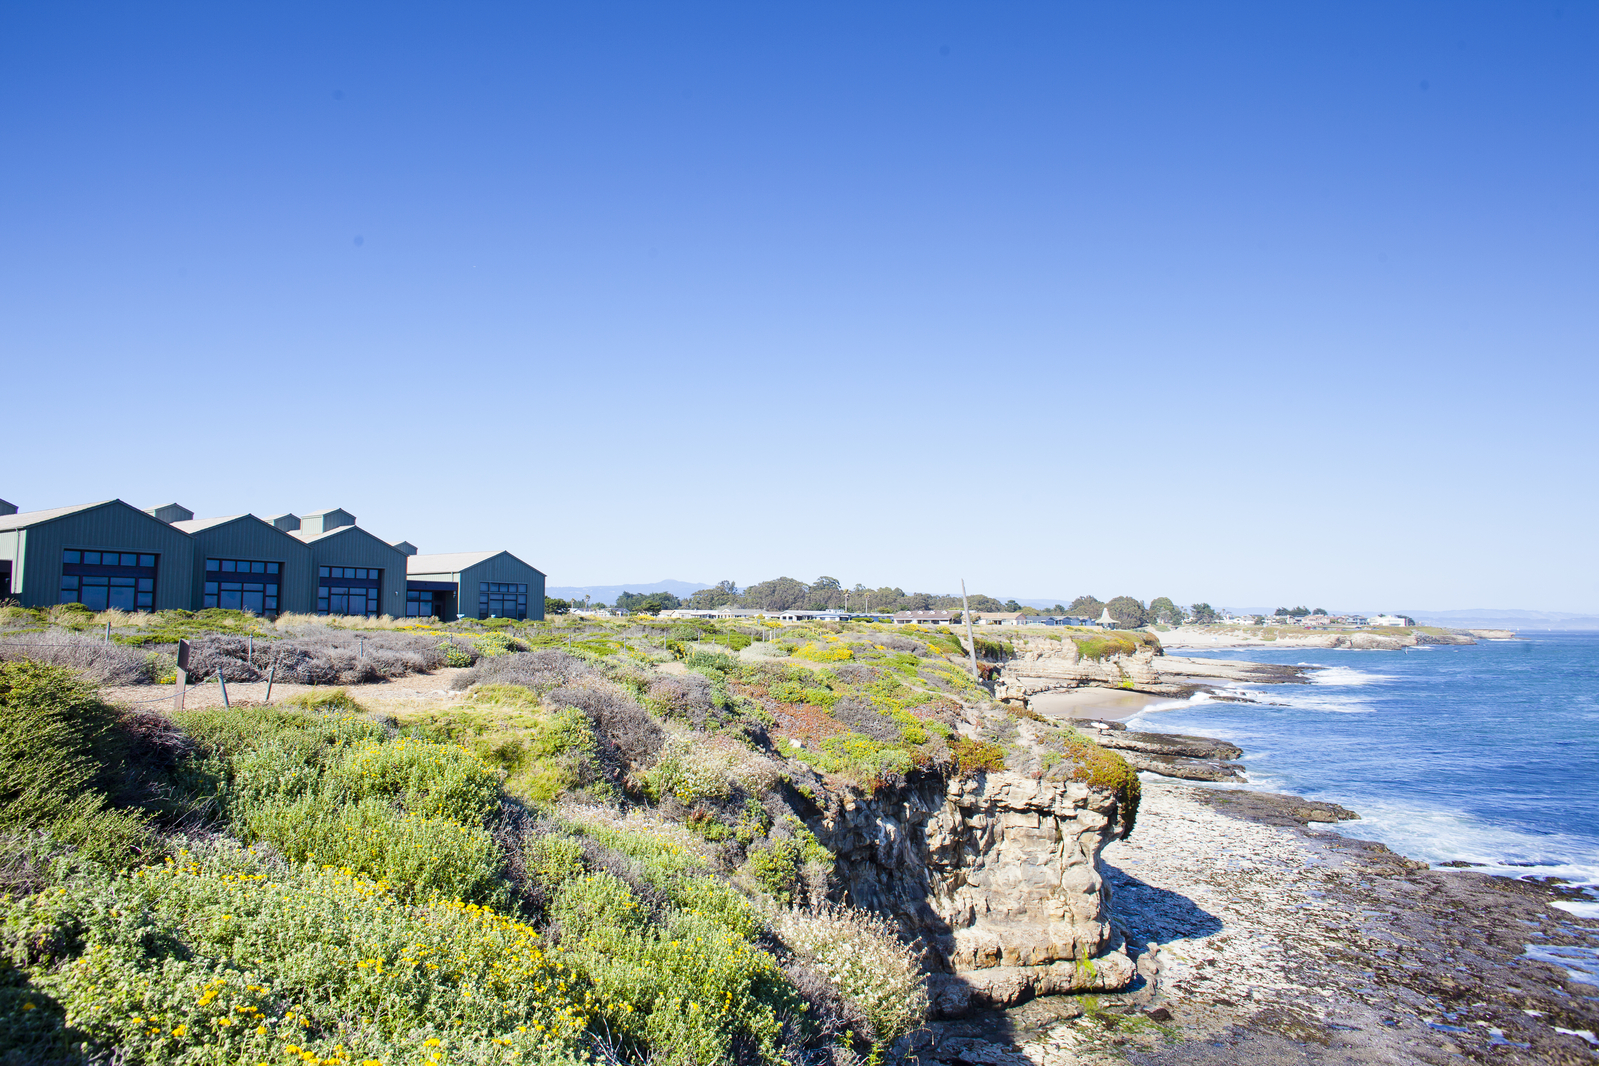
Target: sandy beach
x,y
1099,704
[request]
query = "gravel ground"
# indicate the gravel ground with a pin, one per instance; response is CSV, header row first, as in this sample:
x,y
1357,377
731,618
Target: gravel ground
x,y
387,697
1267,942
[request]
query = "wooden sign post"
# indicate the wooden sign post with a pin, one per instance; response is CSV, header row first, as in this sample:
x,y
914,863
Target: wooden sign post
x,y
183,675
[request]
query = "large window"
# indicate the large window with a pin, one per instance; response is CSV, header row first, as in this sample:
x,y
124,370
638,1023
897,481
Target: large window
x,y
499,599
349,590
242,585
419,603
102,579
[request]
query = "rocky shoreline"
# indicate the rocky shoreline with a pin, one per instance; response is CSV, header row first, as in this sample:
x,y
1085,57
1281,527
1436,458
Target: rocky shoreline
x,y
1260,937
1355,640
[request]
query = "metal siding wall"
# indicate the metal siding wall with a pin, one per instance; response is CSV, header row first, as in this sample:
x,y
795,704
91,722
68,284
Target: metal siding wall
x,y
354,546
118,526
502,567
251,538
11,551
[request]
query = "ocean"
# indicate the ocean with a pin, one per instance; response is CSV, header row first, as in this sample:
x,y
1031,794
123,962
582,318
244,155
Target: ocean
x,y
1486,753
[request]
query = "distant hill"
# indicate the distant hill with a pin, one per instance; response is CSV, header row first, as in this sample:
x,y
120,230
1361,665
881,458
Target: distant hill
x,y
608,593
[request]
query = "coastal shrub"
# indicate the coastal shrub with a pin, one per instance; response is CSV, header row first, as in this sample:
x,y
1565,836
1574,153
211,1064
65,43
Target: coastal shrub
x,y
60,747
863,717
404,811
1097,647
457,654
976,756
684,698
225,956
628,736
85,653
694,990
860,954
537,670
1083,760
690,771
790,861
867,762
825,653
496,643
995,650
413,854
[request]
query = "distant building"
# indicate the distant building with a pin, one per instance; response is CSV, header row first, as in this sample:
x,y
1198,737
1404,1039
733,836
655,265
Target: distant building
x,y
710,614
1389,620
925,618
998,618
1106,620
811,616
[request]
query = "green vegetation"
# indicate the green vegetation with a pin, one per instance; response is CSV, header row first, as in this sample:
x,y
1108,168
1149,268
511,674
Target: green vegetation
x,y
62,758
599,853
368,893
977,756
1097,645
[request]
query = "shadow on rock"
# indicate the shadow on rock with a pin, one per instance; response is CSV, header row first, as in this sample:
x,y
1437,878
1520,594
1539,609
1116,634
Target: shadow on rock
x,y
1150,914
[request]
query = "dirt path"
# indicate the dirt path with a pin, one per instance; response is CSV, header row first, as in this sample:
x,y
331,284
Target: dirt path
x,y
412,692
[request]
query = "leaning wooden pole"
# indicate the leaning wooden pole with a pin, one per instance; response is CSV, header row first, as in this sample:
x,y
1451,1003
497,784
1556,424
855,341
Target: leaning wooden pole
x,y
971,641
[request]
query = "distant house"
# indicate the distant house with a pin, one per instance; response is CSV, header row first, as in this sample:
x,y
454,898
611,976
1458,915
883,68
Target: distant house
x,y
1389,620
709,614
924,618
812,616
999,618
1106,620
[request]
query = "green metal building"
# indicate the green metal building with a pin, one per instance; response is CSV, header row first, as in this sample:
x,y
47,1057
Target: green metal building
x,y
105,554
473,585
245,563
111,554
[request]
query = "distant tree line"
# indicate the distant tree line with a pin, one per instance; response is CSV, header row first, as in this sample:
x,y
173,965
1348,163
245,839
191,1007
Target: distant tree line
x,y
828,594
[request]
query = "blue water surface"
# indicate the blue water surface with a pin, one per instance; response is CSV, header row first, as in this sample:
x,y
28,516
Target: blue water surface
x,y
1486,753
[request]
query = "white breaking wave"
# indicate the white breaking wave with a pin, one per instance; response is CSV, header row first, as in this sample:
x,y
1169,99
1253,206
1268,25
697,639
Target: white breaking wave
x,y
1307,698
1581,908
1173,705
1448,836
1345,677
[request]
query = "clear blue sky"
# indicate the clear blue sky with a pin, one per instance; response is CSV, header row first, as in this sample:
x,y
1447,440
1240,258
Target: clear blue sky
x,y
1248,303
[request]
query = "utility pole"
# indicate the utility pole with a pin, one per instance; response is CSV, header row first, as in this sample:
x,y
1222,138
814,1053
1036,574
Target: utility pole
x,y
966,609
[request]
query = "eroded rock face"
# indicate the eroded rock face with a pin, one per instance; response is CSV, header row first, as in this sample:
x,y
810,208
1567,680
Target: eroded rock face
x,y
997,874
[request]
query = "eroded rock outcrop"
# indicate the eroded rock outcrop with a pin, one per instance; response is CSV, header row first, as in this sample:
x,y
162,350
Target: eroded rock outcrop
x,y
1174,754
1045,665
996,873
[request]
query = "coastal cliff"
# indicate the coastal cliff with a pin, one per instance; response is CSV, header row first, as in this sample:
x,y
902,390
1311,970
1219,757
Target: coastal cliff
x,y
997,875
1042,664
